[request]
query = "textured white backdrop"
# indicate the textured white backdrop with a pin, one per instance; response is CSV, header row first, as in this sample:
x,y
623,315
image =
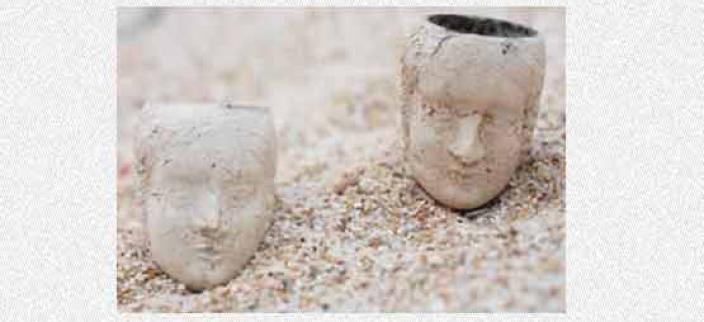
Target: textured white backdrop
x,y
635,193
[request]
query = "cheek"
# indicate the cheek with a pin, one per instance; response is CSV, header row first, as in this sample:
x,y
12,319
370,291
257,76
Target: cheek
x,y
166,221
245,224
504,139
173,211
239,211
427,136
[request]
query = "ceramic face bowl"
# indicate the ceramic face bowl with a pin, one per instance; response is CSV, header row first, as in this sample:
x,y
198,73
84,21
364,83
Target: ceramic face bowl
x,y
471,88
206,185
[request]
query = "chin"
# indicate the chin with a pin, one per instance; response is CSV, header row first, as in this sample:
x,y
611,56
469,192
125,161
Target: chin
x,y
196,268
460,197
202,273
466,194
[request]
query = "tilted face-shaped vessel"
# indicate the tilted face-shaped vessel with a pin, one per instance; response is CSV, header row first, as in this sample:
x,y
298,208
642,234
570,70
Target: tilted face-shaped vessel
x,y
471,88
206,185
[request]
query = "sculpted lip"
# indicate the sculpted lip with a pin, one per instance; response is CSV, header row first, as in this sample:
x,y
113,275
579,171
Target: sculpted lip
x,y
468,173
463,174
465,165
208,253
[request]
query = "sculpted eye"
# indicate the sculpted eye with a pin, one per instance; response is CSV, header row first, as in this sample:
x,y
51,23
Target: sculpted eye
x,y
427,110
438,114
241,192
488,118
433,110
463,114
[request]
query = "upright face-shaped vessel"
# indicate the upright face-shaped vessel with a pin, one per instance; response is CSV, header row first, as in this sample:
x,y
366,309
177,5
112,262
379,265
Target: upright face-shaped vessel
x,y
471,88
206,177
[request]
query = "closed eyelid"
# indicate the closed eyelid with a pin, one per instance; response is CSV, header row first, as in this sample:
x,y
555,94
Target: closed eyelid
x,y
180,179
437,113
467,112
241,191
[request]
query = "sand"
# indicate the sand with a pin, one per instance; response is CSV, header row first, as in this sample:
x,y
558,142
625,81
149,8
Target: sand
x,y
352,233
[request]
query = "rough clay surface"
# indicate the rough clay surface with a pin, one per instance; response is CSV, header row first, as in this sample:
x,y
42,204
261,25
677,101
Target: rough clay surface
x,y
351,232
469,108
205,177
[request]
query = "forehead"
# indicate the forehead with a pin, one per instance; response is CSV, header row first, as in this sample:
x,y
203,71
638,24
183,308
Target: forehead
x,y
195,142
217,166
214,159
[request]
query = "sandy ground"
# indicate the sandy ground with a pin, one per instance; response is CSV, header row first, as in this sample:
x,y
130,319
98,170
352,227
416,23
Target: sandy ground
x,y
352,233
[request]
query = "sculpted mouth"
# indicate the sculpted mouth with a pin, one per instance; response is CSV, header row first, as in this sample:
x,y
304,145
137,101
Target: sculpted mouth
x,y
460,174
206,248
466,163
208,253
467,173
206,245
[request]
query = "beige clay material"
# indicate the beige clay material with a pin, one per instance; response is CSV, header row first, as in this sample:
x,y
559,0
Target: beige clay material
x,y
206,185
471,88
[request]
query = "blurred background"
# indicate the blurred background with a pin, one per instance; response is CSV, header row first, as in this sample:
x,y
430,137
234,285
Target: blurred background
x,y
331,78
330,75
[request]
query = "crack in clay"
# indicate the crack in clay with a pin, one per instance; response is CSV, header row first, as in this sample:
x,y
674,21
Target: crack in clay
x,y
439,45
254,108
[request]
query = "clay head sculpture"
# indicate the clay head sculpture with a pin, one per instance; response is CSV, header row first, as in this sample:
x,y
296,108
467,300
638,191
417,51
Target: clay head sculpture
x,y
206,178
471,88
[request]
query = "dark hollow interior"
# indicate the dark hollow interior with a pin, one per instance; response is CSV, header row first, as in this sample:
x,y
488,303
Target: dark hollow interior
x,y
482,26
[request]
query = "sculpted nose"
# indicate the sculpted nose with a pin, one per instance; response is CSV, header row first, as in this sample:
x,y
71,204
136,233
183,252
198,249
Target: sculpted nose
x,y
208,217
209,224
466,145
